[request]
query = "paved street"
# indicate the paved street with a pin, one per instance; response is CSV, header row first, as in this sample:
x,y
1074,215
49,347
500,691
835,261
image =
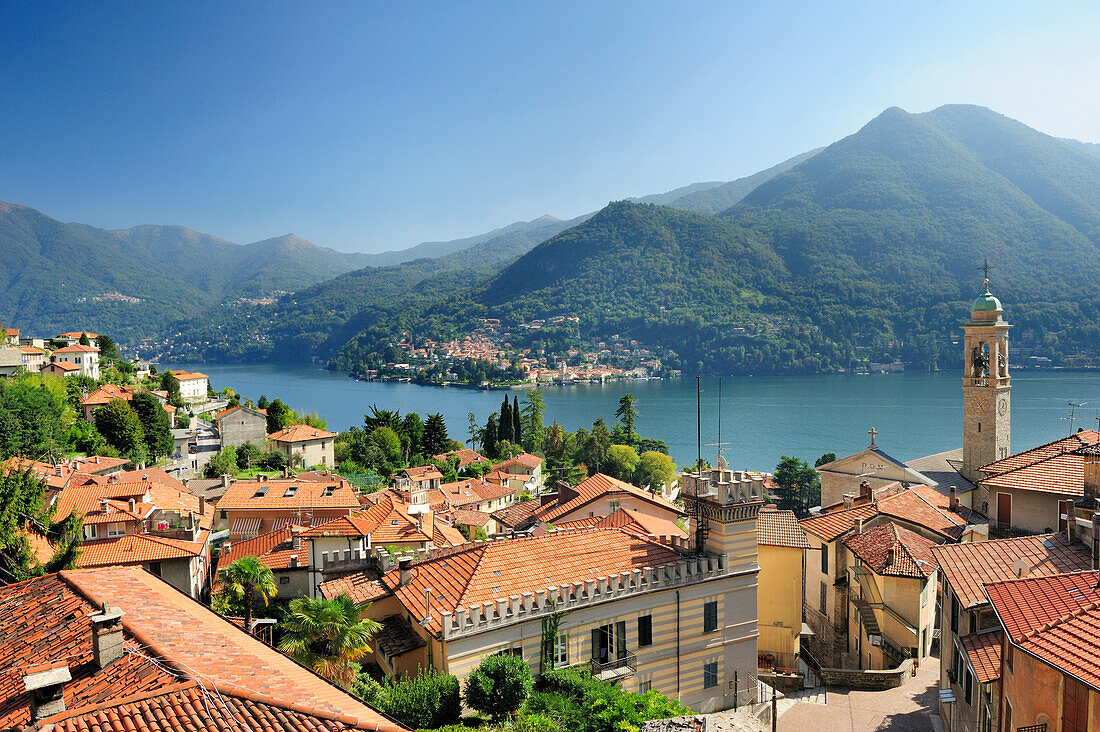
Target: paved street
x,y
911,707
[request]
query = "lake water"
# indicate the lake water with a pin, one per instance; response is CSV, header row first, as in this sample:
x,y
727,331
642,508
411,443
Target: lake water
x,y
762,418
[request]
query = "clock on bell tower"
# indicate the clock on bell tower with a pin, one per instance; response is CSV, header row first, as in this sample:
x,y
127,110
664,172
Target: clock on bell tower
x,y
986,406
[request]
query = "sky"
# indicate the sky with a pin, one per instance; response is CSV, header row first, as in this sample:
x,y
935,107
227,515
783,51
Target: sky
x,y
371,126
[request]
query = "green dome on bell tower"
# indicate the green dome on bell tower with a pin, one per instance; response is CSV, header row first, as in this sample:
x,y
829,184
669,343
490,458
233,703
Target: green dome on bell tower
x,y
986,302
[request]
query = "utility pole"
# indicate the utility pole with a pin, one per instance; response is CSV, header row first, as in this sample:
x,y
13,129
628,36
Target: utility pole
x,y
775,720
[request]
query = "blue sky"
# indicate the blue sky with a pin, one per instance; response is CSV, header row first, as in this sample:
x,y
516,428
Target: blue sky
x,y
370,126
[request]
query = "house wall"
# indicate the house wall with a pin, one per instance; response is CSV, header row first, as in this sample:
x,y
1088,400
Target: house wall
x,y
186,575
307,452
194,390
829,624
292,583
602,507
1034,690
1031,510
88,362
240,427
779,602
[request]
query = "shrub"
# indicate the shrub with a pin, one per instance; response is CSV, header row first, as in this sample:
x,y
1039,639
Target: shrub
x,y
610,709
499,686
425,701
573,683
275,460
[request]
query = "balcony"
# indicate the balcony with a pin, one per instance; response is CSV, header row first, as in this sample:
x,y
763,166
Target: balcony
x,y
615,669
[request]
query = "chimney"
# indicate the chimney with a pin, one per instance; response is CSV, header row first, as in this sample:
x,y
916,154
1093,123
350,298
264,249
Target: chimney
x,y
262,478
202,506
296,537
546,498
405,567
859,525
227,479
133,506
46,689
1092,471
103,505
849,500
1096,540
59,470
953,500
227,549
294,562
107,636
864,489
1068,508
112,478
566,492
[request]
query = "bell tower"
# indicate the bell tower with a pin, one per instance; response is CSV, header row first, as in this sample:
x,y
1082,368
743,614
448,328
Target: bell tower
x,y
986,407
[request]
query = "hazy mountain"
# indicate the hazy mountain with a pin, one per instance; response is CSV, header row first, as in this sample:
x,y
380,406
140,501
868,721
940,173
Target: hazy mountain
x,y
867,248
431,249
714,198
1092,148
135,282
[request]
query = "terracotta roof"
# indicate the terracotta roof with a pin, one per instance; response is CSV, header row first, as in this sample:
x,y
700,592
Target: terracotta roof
x,y
31,350
272,494
779,528
582,523
188,375
389,522
147,689
63,365
423,472
518,515
396,637
984,652
138,548
106,393
926,507
1057,619
1050,468
77,334
465,457
892,550
830,526
77,348
600,486
443,534
299,433
968,566
525,459
466,491
639,522
497,569
365,586
467,517
274,550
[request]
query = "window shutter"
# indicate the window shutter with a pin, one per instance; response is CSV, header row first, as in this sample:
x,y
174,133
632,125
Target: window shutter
x,y
620,639
596,643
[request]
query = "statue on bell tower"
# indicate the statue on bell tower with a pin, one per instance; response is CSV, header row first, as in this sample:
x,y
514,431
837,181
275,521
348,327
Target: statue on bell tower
x,y
986,406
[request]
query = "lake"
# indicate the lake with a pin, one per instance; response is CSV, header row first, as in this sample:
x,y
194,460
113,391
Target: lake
x,y
762,418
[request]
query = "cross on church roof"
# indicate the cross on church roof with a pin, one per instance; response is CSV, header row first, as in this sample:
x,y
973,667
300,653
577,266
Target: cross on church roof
x,y
872,432
986,268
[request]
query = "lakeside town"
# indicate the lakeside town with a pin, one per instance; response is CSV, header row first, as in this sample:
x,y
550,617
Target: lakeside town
x,y
528,572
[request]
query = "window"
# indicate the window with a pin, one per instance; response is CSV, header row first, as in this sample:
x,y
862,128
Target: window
x,y
969,687
645,685
116,529
825,559
1008,653
1075,706
645,630
710,616
154,567
613,506
710,674
90,531
511,652
561,651
284,580
824,599
954,615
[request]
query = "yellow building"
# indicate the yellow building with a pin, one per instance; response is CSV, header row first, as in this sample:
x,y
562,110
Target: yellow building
x,y
645,611
892,580
780,546
1050,660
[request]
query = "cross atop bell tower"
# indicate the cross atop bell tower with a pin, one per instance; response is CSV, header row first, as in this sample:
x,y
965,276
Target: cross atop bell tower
x,y
986,388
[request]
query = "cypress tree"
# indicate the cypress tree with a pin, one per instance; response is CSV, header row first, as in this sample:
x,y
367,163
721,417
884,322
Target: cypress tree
x,y
517,422
504,426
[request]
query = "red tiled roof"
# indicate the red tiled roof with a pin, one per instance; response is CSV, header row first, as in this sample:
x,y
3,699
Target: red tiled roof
x,y
926,507
77,333
599,486
224,412
498,569
77,348
518,515
911,552
525,459
138,548
106,393
829,526
299,433
639,522
63,365
467,517
779,528
968,566
467,491
365,586
242,494
1049,468
465,457
188,375
1057,619
274,550
423,472
984,652
154,687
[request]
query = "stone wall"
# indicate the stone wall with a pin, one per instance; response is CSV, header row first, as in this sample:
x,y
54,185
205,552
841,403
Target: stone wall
x,y
868,680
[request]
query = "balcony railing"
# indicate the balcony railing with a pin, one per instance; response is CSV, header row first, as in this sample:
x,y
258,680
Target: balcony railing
x,y
1041,727
616,668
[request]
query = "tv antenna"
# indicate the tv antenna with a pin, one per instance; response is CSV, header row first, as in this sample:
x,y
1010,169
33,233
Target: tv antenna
x,y
721,446
1073,407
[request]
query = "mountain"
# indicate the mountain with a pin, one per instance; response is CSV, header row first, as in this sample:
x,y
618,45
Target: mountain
x,y
1092,148
712,199
433,249
135,282
865,250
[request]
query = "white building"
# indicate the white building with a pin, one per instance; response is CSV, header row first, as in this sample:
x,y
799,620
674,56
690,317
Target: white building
x,y
86,358
193,386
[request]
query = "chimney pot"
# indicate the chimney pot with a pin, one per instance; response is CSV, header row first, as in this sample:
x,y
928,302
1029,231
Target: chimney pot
x,y
953,500
226,480
107,636
859,525
405,567
47,691
103,505
202,505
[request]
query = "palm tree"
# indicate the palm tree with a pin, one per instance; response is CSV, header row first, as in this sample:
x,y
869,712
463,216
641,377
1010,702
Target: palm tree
x,y
243,579
328,635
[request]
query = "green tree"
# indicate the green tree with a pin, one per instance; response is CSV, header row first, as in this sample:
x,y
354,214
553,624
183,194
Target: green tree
x,y
436,441
328,636
504,423
799,485
262,402
108,349
428,700
622,461
279,415
499,686
382,418
627,414
610,709
84,340
24,512
35,415
533,430
490,436
655,470
223,463
248,455
155,425
828,457
121,427
243,580
387,444
412,435
517,422
170,384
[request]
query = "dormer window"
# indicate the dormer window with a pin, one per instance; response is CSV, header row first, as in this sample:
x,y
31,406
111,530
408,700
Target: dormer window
x,y
393,522
290,491
261,491
329,490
